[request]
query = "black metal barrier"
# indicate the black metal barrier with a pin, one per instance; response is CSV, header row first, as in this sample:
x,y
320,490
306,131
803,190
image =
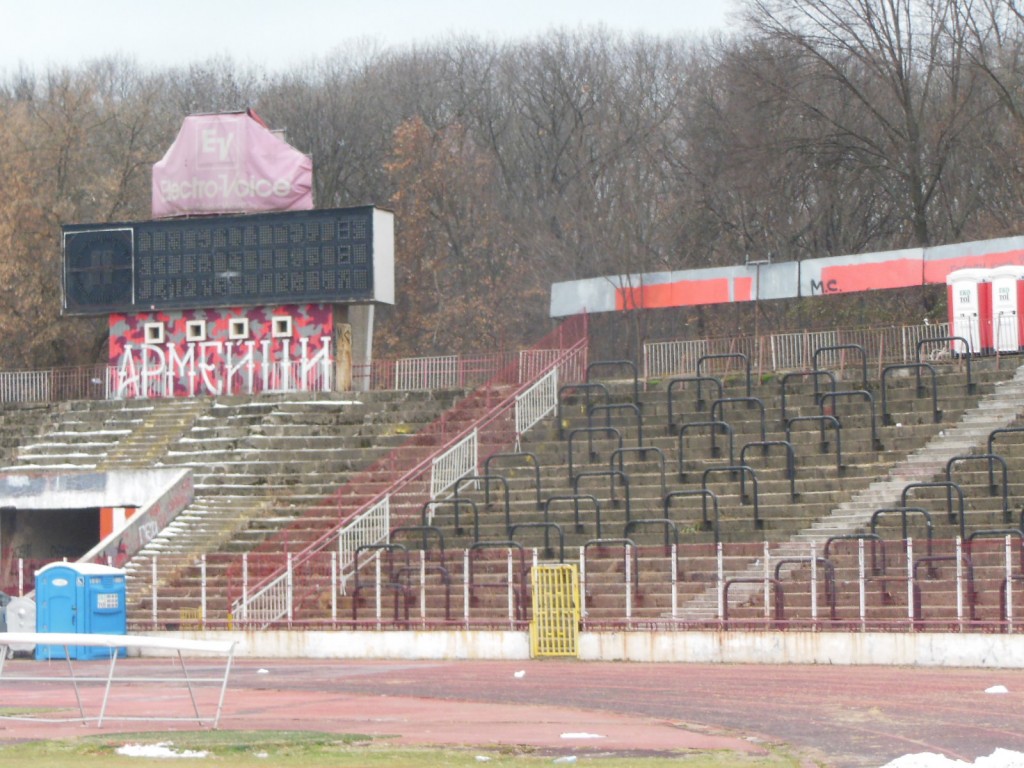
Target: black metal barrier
x,y
682,381
936,411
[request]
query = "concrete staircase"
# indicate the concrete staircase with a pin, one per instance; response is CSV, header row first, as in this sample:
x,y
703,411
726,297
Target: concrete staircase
x,y
162,426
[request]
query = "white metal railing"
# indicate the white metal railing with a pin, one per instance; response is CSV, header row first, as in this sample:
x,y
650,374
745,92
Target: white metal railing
x,y
794,351
536,403
273,601
366,530
427,372
533,362
1001,557
267,606
25,387
457,462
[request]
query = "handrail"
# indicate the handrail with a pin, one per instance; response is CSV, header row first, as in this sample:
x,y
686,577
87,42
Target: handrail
x,y
950,487
96,382
822,420
622,364
546,526
700,397
991,441
487,480
515,455
815,375
705,494
876,444
830,577
842,347
963,560
586,388
715,425
903,519
971,386
742,470
790,460
619,452
776,588
611,474
424,530
727,356
629,547
591,453
575,499
989,457
455,502
873,537
669,526
520,591
633,407
936,412
718,406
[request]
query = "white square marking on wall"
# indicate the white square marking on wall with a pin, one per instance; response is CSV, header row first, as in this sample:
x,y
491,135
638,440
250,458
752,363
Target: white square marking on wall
x,y
153,333
281,327
238,328
195,330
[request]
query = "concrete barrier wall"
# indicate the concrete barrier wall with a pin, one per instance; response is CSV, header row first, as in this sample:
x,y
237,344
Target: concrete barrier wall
x,y
869,648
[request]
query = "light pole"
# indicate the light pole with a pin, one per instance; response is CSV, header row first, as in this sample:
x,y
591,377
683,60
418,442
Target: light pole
x,y
757,264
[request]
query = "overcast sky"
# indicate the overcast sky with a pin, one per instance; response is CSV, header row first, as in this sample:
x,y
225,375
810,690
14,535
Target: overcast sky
x,y
280,33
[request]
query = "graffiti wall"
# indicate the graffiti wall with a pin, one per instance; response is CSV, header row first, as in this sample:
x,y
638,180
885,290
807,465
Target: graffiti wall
x,y
191,353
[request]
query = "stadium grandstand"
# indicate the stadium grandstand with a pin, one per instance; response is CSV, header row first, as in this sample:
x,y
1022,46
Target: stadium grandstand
x,y
849,483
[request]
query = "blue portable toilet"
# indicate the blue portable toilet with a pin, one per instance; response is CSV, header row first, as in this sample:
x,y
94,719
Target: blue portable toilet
x,y
80,598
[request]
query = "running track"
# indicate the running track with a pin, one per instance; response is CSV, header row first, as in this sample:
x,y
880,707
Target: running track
x,y
832,715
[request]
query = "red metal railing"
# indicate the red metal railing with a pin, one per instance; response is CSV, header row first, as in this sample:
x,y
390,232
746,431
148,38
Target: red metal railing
x,y
403,477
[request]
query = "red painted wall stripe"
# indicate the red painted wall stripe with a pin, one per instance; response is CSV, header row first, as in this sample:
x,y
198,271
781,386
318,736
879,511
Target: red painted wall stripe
x,y
936,271
898,273
683,293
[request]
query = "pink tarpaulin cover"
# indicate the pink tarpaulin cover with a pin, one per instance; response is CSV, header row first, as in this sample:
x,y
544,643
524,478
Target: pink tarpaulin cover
x,y
230,163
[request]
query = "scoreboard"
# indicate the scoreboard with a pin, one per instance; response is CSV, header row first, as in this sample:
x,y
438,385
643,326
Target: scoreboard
x,y
337,256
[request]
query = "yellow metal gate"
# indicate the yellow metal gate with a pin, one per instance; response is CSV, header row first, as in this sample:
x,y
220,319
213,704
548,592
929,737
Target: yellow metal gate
x,y
554,630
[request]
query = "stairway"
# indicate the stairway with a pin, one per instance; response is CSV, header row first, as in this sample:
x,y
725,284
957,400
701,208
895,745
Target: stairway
x,y
161,426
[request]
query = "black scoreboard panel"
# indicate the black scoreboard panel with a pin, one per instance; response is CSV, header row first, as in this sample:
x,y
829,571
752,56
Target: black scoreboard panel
x,y
278,258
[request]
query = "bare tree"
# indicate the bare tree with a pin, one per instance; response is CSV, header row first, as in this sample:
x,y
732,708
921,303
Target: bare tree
x,y
901,100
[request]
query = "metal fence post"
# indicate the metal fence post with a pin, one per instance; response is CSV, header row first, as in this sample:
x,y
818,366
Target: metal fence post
x,y
202,590
1008,559
910,582
245,586
334,587
289,583
862,584
153,589
814,582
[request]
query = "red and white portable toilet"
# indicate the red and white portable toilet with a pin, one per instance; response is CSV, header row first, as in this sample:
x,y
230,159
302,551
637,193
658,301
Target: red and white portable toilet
x,y
1007,305
970,309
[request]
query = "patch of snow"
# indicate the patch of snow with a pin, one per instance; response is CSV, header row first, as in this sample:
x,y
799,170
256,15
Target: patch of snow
x,y
582,736
1000,758
997,689
161,749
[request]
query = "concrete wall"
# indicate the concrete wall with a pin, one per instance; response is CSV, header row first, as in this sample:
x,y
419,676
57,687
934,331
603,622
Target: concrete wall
x,y
896,648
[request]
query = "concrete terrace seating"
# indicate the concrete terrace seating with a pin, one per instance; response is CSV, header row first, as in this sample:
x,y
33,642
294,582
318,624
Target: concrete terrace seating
x,y
260,463
787,510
